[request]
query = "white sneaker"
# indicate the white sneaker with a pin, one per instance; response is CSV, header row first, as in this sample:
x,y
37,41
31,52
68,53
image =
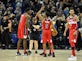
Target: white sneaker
x,y
18,54
74,58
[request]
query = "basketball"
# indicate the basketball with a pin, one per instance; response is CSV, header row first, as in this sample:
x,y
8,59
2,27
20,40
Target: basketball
x,y
54,32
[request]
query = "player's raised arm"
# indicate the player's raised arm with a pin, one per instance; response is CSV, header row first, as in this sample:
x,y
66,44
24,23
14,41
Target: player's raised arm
x,y
39,14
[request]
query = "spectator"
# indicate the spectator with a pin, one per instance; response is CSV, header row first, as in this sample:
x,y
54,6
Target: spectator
x,y
18,13
80,16
2,6
14,25
5,29
18,4
60,23
34,34
66,11
0,27
80,6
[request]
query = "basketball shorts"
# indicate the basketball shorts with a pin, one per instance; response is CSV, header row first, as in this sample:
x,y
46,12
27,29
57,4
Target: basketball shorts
x,y
46,36
72,38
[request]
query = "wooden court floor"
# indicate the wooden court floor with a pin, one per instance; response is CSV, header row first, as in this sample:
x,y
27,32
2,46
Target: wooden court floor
x,y
61,55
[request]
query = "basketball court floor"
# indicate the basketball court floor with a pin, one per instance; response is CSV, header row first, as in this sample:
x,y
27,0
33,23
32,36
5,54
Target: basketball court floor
x,y
61,55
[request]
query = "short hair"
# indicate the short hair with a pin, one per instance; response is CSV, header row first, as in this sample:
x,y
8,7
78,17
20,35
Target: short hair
x,y
47,13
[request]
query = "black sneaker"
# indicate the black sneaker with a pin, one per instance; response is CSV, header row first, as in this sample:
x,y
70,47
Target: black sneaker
x,y
45,55
18,54
42,53
53,54
25,54
29,52
49,54
36,52
78,49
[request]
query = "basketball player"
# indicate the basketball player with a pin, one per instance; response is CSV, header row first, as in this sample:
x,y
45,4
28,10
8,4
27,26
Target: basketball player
x,y
47,27
22,31
72,26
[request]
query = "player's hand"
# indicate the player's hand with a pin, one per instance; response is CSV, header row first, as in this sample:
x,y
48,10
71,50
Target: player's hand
x,y
75,33
25,36
54,32
76,18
